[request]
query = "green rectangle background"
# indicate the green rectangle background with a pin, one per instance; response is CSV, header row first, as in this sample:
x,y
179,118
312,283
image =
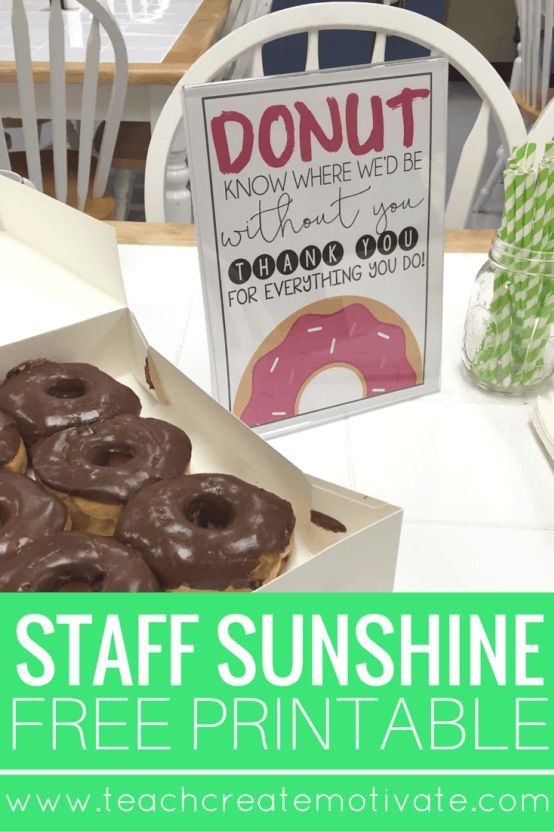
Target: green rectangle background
x,y
499,776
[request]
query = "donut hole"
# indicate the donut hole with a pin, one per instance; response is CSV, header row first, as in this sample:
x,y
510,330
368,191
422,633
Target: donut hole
x,y
210,511
80,584
113,456
330,386
67,388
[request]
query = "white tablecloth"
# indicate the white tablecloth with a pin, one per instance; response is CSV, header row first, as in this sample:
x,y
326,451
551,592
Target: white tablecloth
x,y
149,27
475,485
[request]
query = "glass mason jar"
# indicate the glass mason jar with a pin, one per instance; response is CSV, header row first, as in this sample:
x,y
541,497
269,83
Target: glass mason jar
x,y
509,329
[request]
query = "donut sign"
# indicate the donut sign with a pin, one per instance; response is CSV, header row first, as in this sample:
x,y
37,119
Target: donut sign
x,y
319,204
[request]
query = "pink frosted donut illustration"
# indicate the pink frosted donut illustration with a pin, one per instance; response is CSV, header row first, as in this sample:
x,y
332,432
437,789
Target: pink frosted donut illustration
x,y
363,335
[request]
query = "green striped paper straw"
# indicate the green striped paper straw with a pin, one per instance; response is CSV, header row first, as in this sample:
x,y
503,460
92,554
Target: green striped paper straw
x,y
523,241
522,306
531,300
486,365
541,318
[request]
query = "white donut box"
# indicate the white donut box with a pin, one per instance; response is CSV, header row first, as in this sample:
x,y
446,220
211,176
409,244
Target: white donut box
x,y
62,297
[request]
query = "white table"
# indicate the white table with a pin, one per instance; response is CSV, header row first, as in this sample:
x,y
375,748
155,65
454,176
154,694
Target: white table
x,y
149,27
476,486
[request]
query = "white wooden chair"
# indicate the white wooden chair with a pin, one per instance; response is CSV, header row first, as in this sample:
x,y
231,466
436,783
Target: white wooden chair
x,y
134,137
530,79
63,173
167,154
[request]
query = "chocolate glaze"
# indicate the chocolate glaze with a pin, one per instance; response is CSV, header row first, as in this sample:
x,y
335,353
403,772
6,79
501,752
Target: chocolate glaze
x,y
27,513
100,563
206,531
26,365
325,521
10,439
45,397
110,461
148,375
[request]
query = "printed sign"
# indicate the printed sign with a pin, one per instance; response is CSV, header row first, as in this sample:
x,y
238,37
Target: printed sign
x,y
319,203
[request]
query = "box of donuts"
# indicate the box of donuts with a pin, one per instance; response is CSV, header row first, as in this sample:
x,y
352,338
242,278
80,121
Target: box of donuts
x,y
118,473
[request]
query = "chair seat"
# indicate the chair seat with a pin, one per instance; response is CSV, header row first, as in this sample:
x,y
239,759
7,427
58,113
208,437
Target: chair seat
x,y
528,111
102,208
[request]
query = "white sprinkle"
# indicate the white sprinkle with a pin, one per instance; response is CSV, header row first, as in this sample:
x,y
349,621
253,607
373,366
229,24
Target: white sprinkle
x,y
384,335
352,328
279,413
383,362
378,390
315,329
274,364
333,342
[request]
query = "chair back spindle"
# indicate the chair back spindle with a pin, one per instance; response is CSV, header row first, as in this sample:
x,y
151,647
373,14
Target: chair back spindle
x,y
547,51
257,69
90,90
536,22
57,98
117,99
26,91
312,54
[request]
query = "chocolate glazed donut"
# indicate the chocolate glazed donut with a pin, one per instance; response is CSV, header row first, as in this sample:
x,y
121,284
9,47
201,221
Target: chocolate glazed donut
x,y
71,560
95,469
209,531
13,455
45,397
27,513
